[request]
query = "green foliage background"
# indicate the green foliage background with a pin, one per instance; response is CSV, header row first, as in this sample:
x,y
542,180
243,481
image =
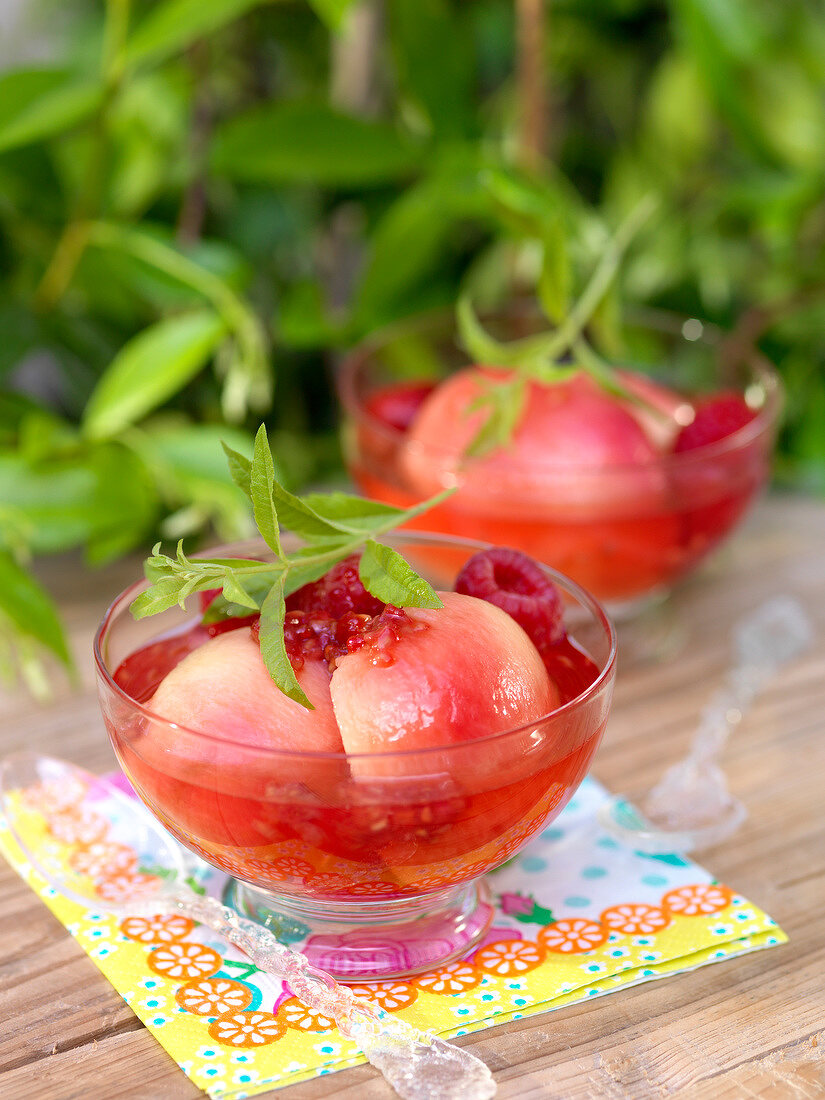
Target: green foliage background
x,y
203,201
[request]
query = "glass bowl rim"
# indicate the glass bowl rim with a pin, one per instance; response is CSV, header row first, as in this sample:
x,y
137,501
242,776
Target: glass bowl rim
x,y
120,604
763,371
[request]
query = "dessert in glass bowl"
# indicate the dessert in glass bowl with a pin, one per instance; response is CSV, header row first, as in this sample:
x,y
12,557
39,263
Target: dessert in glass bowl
x,y
624,478
443,734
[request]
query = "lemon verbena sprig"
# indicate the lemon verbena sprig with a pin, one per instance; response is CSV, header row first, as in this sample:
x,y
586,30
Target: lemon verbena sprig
x,y
546,357
331,526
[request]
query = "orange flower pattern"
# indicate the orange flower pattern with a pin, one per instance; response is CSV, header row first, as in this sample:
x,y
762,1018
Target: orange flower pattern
x,y
374,889
214,996
77,826
455,977
284,869
54,795
118,889
433,882
297,1015
635,919
184,960
328,882
103,858
391,996
164,928
247,1029
698,900
572,935
505,958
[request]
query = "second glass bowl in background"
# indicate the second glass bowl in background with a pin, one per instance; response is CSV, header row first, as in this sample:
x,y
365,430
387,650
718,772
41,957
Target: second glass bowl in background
x,y
627,533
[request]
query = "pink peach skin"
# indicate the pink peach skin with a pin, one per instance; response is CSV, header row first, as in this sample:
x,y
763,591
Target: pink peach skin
x,y
470,673
577,452
460,673
223,689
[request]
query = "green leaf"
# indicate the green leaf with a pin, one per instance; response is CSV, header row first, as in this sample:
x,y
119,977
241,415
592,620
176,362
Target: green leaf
x,y
332,12
240,469
309,143
293,513
721,37
414,235
529,207
20,88
355,512
363,516
435,63
164,593
261,483
102,497
405,245
162,290
302,320
299,518
235,592
37,104
30,609
223,607
189,471
149,369
21,332
172,25
388,577
554,281
505,402
247,583
124,504
273,646
477,342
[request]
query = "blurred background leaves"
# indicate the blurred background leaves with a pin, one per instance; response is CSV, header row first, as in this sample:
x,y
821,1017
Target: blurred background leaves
x,y
203,202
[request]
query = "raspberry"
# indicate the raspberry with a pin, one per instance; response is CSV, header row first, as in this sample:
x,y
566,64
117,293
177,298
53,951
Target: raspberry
x,y
336,594
308,635
715,419
519,586
397,405
336,615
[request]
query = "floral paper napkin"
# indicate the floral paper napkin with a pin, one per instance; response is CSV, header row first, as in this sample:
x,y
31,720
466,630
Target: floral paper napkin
x,y
577,915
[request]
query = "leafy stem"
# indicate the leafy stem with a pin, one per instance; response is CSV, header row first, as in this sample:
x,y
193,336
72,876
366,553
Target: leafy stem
x,y
332,526
249,382
546,356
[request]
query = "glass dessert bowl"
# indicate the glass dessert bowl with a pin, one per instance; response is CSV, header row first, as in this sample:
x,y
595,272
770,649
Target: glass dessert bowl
x,y
626,494
371,861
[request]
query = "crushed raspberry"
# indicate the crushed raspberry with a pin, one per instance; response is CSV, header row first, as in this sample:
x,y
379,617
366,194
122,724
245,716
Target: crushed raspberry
x,y
336,594
311,635
715,419
397,405
336,615
519,586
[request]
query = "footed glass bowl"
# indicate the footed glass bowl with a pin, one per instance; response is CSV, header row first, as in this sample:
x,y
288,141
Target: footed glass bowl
x,y
626,532
372,861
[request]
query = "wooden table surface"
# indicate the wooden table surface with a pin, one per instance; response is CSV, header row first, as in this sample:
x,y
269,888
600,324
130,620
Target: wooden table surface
x,y
748,1027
